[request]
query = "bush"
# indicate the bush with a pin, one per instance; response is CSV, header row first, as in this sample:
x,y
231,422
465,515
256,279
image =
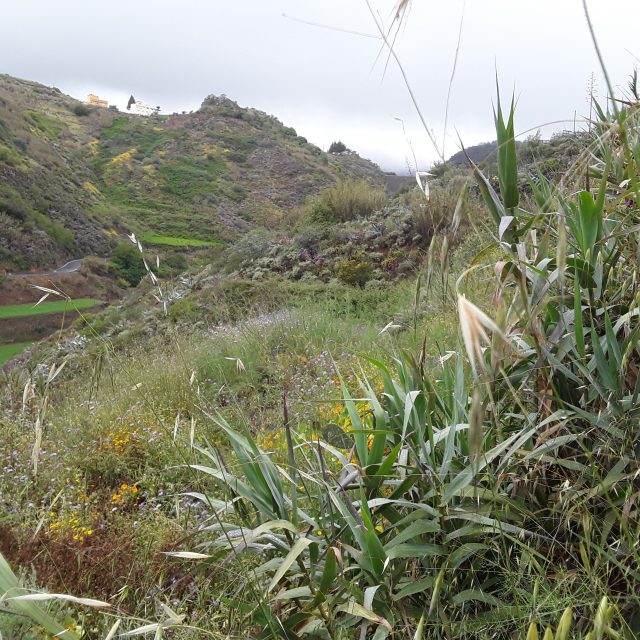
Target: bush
x,y
173,264
20,144
95,265
184,310
253,245
9,156
81,110
311,238
127,261
432,216
550,167
12,204
355,272
337,147
62,236
345,201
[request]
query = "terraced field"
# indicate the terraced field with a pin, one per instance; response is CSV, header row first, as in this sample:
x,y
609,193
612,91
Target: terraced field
x,y
8,351
173,241
23,324
55,306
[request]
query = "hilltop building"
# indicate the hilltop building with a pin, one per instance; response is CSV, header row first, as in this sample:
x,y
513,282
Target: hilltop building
x,y
140,108
96,101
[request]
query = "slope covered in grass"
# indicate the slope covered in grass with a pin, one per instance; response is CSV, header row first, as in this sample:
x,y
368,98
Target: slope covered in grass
x,y
73,179
450,451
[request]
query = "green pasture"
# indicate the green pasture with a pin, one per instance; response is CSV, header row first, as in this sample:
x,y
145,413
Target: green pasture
x,y
174,241
8,351
54,306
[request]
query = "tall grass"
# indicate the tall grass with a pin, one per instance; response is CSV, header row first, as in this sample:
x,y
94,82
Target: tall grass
x,y
471,501
347,200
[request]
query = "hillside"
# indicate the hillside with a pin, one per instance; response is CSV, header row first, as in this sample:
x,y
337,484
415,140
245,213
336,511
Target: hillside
x,y
454,450
551,158
72,179
407,417
43,203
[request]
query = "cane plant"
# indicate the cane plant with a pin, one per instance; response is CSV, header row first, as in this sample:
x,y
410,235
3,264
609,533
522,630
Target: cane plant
x,y
459,486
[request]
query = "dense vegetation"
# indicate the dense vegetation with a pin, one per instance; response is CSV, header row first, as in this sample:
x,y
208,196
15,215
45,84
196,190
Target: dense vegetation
x,y
311,451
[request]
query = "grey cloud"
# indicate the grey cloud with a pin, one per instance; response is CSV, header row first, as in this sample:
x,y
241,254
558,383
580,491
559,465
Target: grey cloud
x,y
326,83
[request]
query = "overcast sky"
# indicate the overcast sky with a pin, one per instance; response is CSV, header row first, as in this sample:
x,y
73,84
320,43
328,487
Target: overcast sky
x,y
330,83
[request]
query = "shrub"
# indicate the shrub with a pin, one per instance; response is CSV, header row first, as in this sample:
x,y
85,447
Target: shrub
x,y
184,310
354,272
345,201
20,144
239,157
550,166
128,264
93,323
62,236
337,147
96,265
173,264
310,238
12,204
432,216
9,156
253,245
81,110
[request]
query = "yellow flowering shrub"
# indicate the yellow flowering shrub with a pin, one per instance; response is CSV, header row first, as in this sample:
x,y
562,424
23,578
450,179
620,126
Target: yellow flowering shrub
x,y
125,496
91,188
75,515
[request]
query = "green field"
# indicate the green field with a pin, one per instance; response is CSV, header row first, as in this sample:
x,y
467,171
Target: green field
x,y
173,241
8,351
55,306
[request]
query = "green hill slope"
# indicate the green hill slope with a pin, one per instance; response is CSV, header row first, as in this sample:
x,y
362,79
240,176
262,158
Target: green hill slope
x,y
72,180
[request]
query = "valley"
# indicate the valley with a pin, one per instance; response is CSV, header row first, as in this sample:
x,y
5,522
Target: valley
x,y
77,180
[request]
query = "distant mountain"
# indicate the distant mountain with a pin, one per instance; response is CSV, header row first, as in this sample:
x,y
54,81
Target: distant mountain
x,y
477,153
74,178
536,156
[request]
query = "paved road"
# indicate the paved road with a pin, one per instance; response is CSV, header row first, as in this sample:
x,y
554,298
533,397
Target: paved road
x,y
69,267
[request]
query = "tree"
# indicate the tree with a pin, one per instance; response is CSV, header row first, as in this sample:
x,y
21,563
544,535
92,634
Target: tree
x,y
128,263
337,147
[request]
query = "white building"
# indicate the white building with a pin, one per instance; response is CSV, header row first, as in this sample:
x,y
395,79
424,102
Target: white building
x,y
140,108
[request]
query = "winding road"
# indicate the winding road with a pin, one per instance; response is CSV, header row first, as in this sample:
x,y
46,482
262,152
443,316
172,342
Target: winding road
x,y
69,267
